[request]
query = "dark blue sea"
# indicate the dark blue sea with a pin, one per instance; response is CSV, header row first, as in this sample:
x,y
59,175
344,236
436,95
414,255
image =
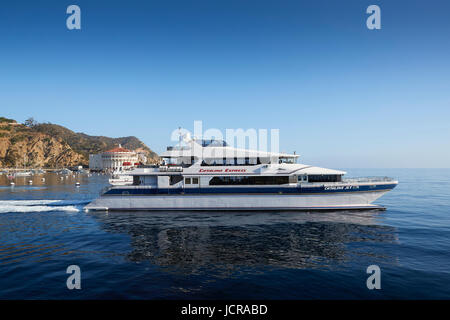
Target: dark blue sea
x,y
215,255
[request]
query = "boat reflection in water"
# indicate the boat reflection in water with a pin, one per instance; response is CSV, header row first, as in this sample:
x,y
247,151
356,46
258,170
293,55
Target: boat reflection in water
x,y
195,242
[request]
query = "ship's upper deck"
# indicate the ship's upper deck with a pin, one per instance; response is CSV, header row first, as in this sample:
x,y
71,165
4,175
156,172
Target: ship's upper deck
x,y
216,157
217,150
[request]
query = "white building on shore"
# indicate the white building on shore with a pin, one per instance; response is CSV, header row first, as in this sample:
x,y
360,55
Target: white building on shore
x,y
115,159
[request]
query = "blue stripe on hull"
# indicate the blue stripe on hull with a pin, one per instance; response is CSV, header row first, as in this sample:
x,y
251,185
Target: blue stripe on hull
x,y
250,190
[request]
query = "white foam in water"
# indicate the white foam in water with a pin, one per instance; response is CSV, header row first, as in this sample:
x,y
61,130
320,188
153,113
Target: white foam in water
x,y
40,205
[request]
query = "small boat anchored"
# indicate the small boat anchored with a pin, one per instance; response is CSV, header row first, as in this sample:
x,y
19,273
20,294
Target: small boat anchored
x,y
23,173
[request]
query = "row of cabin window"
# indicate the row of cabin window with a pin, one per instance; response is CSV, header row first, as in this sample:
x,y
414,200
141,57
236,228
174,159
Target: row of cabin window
x,y
229,180
272,180
232,162
228,162
172,180
242,162
257,180
175,179
253,180
324,178
188,180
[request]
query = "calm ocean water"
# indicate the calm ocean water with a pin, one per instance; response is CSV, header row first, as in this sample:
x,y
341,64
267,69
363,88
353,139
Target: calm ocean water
x,y
277,255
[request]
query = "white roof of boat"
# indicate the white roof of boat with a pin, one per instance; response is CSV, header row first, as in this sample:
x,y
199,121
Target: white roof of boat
x,y
318,170
298,168
216,152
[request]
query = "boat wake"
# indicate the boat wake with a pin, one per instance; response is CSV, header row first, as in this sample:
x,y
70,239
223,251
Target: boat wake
x,y
41,205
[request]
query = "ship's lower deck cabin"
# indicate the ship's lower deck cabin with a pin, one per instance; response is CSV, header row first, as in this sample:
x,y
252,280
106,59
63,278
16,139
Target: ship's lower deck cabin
x,y
188,181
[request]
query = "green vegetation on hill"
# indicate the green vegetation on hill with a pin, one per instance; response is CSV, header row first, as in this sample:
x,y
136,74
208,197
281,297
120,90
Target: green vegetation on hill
x,y
6,120
50,145
85,144
21,146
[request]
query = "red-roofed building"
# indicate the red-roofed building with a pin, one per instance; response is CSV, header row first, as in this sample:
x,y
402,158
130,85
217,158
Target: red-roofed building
x,y
115,159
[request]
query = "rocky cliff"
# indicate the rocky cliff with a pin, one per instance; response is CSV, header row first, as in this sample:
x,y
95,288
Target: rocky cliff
x,y
50,145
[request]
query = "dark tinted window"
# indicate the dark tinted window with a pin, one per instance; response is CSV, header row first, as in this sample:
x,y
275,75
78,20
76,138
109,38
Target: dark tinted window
x,y
175,179
220,181
234,162
324,178
213,143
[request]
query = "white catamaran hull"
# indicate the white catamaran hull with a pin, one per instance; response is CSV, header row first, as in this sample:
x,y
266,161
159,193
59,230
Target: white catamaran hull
x,y
348,200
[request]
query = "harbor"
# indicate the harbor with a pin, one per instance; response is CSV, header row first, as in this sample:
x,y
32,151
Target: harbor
x,y
18,178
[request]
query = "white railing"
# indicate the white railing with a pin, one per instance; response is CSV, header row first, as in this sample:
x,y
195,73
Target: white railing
x,y
368,179
348,181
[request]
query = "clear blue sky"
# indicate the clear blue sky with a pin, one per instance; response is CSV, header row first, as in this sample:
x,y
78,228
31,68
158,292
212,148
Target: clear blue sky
x,y
341,95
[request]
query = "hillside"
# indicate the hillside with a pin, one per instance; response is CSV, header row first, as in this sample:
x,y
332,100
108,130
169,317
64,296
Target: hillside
x,y
51,145
85,144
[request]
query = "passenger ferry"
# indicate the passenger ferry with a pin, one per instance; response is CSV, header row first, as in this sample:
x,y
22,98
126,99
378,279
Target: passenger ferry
x,y
210,175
